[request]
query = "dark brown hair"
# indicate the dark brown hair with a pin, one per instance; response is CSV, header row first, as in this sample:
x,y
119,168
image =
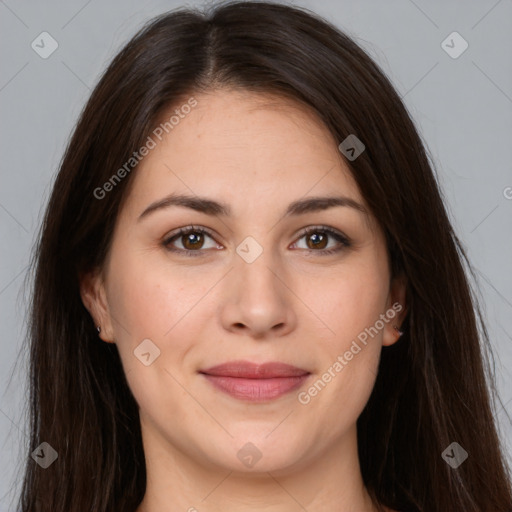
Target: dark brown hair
x,y
433,385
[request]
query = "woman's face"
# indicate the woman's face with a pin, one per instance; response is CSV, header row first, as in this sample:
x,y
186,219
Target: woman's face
x,y
253,288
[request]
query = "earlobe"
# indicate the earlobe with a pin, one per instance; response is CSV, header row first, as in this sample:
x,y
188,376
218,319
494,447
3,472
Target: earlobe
x,y
92,292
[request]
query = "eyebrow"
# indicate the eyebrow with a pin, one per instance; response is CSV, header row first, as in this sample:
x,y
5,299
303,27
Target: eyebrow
x,y
215,208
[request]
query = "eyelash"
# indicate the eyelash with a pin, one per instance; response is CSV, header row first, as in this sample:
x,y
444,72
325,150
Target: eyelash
x,y
343,240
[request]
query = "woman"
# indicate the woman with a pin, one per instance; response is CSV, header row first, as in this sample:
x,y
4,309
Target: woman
x,y
248,294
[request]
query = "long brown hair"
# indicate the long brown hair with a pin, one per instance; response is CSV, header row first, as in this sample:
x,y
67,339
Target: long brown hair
x,y
433,385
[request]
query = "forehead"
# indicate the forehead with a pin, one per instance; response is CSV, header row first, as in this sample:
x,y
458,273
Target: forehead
x,y
244,146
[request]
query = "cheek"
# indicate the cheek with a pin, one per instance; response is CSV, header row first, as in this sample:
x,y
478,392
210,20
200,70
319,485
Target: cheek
x,y
350,301
148,302
150,297
351,305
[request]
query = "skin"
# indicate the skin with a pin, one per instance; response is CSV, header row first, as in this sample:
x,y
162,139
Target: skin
x,y
293,304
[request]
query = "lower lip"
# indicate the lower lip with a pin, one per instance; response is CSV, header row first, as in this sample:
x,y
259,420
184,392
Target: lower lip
x,y
256,390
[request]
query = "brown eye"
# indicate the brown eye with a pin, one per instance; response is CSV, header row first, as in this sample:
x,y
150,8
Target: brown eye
x,y
190,241
316,240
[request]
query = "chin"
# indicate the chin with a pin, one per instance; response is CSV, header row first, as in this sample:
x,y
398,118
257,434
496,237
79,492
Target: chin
x,y
257,454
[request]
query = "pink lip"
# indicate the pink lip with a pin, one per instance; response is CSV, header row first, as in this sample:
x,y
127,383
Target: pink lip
x,y
255,382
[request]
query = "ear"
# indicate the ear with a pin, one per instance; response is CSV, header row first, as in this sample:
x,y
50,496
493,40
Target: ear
x,y
94,298
396,310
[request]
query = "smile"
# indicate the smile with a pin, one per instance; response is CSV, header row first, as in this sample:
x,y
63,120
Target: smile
x,y
255,383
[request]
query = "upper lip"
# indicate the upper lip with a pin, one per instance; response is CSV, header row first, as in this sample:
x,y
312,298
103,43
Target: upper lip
x,y
248,370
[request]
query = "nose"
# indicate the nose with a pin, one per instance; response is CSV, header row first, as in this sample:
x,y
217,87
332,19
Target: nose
x,y
257,299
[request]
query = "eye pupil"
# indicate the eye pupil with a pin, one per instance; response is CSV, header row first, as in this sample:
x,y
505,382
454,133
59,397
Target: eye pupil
x,y
318,240
196,239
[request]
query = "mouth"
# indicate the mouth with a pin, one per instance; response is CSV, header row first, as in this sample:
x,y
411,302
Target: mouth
x,y
255,382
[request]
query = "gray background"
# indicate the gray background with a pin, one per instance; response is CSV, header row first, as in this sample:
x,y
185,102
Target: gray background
x,y
462,107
